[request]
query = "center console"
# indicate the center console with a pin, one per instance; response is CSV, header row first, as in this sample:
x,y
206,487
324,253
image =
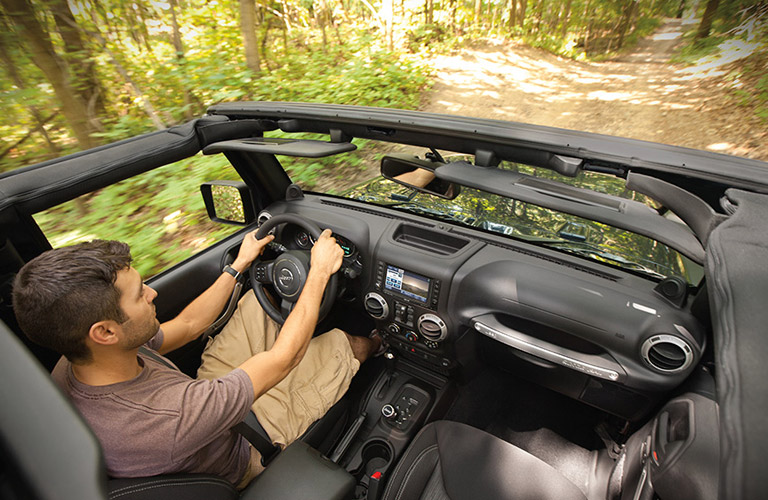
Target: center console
x,y
400,402
405,305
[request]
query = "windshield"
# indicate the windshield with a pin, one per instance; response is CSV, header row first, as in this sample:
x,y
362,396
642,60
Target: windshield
x,y
548,228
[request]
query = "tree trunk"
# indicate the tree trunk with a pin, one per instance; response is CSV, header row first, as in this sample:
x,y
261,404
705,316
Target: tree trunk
x,y
706,22
18,81
521,12
512,13
539,16
680,10
478,10
137,92
250,40
53,67
566,18
388,12
626,21
178,45
79,59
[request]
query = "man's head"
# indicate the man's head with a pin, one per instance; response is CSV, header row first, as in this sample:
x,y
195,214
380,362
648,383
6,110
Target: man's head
x,y
62,296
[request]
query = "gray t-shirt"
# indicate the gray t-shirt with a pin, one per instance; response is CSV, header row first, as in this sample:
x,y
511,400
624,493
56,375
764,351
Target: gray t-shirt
x,y
163,421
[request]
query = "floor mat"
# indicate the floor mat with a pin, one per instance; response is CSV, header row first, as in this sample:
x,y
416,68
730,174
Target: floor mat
x,y
571,460
550,426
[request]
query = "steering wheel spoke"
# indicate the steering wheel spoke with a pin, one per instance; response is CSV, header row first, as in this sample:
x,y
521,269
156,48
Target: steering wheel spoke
x,y
286,307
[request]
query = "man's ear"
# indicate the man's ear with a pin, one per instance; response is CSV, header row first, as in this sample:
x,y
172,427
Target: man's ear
x,y
104,332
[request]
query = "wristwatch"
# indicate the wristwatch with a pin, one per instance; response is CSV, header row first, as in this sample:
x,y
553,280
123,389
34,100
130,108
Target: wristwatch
x,y
231,270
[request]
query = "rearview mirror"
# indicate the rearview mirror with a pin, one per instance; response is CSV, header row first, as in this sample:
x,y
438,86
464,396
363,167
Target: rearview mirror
x,y
228,202
417,174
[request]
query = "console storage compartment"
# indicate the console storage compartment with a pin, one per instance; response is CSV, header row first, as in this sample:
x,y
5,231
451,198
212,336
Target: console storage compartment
x,y
300,471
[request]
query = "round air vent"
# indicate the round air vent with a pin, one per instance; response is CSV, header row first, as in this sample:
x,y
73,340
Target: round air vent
x,y
376,305
667,353
263,217
432,327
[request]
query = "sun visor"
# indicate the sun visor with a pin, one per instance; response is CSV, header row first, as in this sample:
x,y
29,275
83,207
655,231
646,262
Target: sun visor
x,y
304,148
612,210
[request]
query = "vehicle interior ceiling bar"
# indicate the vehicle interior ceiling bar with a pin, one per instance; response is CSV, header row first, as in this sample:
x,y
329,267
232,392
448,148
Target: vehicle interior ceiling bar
x,y
626,378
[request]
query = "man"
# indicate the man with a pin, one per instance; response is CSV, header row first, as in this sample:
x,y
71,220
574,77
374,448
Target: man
x,y
88,303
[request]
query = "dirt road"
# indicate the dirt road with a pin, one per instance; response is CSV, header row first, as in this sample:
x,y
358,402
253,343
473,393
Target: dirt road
x,y
639,95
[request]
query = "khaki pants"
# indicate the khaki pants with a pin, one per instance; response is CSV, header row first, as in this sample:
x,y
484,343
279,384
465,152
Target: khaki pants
x,y
288,409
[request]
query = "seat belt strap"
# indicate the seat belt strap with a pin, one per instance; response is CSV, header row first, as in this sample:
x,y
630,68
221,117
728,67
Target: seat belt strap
x,y
252,430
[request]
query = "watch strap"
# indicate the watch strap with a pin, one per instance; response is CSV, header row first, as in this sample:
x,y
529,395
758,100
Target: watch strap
x,y
231,270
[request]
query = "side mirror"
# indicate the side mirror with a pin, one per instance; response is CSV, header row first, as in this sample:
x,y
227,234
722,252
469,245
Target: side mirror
x,y
228,202
417,174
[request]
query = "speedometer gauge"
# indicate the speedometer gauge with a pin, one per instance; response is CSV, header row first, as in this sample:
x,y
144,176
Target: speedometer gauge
x,y
304,240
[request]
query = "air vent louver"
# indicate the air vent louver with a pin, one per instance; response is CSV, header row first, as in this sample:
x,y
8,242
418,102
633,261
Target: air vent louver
x,y
667,353
376,306
432,327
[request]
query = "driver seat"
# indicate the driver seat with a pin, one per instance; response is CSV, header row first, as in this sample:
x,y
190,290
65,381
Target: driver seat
x,y
50,452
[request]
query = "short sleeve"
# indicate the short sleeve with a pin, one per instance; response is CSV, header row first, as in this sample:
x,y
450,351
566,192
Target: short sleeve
x,y
210,408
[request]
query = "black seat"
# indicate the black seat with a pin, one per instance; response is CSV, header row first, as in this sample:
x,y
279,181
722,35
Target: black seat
x,y
49,452
449,460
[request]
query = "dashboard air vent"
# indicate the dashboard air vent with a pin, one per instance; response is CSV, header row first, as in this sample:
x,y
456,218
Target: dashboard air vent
x,y
431,327
376,305
667,353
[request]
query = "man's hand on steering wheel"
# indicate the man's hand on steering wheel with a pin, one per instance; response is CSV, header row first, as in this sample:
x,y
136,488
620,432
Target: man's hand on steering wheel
x,y
327,255
249,250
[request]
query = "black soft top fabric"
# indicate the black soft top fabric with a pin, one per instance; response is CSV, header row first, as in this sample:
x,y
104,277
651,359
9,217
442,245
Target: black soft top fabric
x,y
737,270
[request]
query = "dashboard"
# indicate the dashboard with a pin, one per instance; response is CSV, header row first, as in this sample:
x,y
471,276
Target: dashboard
x,y
448,296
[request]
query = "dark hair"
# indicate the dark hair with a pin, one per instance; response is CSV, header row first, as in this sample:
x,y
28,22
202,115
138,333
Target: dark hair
x,y
60,294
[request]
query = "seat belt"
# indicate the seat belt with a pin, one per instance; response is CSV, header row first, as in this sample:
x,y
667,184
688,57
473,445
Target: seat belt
x,y
250,428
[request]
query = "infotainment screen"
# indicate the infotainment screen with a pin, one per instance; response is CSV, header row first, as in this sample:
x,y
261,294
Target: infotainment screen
x,y
407,283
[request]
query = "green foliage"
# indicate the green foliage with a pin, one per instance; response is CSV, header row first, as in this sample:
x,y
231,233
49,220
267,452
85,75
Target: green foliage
x,y
159,213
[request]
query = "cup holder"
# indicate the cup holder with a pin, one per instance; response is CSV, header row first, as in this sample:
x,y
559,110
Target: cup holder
x,y
376,456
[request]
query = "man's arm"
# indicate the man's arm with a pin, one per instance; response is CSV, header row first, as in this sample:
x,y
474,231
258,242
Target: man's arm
x,y
268,368
204,310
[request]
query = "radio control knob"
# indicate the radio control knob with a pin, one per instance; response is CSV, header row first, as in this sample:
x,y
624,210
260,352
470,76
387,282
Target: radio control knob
x,y
393,329
388,411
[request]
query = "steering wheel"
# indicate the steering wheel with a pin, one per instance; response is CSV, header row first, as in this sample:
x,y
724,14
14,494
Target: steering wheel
x,y
288,272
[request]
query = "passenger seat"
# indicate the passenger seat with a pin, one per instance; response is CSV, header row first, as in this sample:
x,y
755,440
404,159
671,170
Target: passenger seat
x,y
453,461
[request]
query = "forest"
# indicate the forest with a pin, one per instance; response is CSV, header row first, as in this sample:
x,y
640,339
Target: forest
x,y
80,73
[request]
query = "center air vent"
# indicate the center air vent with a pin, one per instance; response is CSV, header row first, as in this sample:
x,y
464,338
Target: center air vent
x,y
431,327
667,353
376,305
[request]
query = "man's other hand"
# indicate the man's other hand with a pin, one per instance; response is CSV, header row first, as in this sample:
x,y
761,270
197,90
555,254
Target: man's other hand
x,y
327,255
249,250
